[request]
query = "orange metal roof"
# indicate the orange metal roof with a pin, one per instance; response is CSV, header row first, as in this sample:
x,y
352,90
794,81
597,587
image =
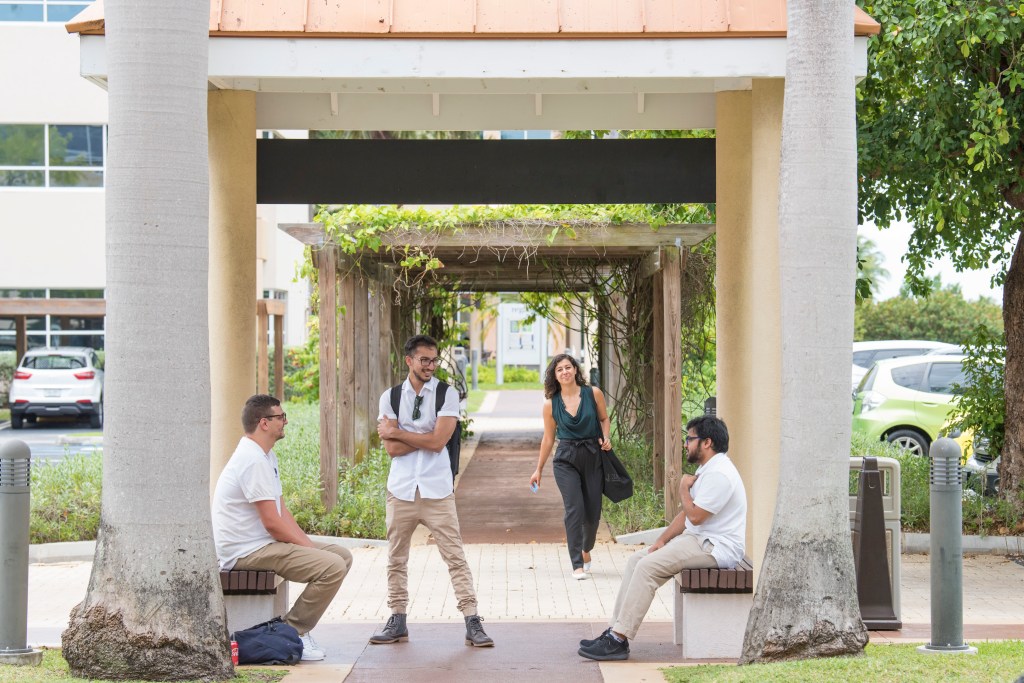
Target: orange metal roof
x,y
492,18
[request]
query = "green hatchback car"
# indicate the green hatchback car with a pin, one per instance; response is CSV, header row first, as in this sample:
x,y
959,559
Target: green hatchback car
x,y
907,400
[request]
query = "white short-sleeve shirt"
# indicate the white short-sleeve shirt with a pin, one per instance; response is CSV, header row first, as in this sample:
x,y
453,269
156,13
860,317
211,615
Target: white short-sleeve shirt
x,y
250,476
719,490
429,471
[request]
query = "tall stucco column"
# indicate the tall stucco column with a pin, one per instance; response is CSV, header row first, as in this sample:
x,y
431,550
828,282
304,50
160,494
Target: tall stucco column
x,y
232,129
749,130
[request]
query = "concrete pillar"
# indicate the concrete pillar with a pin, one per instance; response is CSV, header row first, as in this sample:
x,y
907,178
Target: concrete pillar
x,y
232,280
749,136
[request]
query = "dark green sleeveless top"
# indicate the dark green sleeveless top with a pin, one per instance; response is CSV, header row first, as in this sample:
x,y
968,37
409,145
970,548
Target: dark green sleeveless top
x,y
584,425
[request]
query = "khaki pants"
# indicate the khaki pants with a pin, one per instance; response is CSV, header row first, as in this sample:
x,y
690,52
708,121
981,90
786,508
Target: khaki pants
x,y
322,569
646,572
440,517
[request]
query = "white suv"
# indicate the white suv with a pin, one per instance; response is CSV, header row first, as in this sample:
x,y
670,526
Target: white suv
x,y
866,353
62,381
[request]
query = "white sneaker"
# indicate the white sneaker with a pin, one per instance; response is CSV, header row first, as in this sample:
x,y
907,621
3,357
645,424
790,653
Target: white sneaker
x,y
311,652
579,575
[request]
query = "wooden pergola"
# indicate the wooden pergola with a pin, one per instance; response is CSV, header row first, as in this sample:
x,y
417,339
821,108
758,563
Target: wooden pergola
x,y
360,350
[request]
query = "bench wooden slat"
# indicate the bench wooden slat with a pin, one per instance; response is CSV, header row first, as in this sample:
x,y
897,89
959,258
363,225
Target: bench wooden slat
x,y
248,582
737,580
713,578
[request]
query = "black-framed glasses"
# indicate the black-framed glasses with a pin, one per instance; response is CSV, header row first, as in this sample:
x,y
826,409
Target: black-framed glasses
x,y
283,416
427,362
416,406
689,438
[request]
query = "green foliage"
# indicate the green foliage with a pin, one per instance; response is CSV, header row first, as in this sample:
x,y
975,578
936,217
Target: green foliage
x,y
302,368
66,499
944,315
361,487
981,404
870,271
7,364
996,662
939,137
55,670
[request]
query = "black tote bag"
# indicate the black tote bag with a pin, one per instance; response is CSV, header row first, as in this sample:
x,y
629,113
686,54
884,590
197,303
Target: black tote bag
x,y
618,485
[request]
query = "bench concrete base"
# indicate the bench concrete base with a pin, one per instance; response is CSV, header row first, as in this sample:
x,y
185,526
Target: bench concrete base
x,y
711,625
248,610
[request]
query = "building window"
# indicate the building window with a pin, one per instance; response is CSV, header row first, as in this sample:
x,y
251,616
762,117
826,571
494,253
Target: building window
x,y
54,155
526,135
42,10
54,330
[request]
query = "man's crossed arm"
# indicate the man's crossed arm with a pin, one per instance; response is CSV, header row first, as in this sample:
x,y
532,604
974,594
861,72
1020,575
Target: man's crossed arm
x,y
398,442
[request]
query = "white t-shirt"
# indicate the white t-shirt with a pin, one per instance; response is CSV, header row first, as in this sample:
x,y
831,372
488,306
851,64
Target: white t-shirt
x,y
719,490
250,475
430,471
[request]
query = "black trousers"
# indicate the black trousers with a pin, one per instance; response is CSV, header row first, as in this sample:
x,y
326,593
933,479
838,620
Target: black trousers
x,y
580,476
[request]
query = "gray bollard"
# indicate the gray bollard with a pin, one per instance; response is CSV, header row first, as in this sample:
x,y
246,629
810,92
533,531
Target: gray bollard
x,y
947,556
15,465
475,353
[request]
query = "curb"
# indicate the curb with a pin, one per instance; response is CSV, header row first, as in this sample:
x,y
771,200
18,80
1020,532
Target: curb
x,y
912,543
84,551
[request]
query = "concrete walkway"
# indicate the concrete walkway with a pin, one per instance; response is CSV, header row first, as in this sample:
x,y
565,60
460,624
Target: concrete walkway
x,y
531,606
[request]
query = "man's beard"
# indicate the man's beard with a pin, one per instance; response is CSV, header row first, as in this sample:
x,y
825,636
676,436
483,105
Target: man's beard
x,y
692,457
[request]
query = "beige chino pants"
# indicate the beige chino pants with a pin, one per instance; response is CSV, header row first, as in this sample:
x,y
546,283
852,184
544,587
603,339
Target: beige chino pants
x,y
646,572
441,518
322,569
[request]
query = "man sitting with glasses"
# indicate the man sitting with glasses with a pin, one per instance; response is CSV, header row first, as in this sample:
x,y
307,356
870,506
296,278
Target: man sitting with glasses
x,y
709,532
421,489
253,529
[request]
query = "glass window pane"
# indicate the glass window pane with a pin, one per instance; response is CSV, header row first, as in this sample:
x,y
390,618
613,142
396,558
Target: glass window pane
x,y
21,145
69,324
513,135
20,12
76,178
21,178
63,13
35,324
910,376
22,293
76,293
76,145
943,376
863,359
92,341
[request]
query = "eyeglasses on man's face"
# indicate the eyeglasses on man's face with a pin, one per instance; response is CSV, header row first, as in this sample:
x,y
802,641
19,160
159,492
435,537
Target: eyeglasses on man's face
x,y
691,438
282,416
416,407
426,361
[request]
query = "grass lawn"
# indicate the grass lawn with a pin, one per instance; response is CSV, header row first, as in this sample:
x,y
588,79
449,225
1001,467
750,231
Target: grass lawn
x,y
5,414
55,670
995,661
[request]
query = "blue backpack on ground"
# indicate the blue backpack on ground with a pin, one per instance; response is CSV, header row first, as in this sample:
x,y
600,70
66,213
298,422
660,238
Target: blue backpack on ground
x,y
272,642
455,442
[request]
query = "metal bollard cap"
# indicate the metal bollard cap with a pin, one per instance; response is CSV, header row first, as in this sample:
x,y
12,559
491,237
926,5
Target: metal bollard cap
x,y
15,466
14,449
945,462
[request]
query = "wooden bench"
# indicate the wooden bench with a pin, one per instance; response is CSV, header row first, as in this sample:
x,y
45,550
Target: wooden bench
x,y
252,596
711,610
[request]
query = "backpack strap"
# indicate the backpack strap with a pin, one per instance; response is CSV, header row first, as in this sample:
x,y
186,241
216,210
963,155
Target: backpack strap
x,y
396,398
442,391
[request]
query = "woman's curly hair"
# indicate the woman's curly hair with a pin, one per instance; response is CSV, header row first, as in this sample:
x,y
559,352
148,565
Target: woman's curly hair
x,y
551,386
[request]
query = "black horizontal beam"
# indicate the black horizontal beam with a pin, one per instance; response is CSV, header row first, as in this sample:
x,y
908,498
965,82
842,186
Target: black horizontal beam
x,y
485,171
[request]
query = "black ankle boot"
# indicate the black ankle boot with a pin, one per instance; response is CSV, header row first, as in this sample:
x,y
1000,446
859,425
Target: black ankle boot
x,y
394,631
475,635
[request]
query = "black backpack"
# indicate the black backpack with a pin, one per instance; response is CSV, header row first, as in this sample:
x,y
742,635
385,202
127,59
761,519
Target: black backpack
x,y
272,642
455,442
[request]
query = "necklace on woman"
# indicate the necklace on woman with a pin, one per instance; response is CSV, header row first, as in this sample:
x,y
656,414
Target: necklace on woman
x,y
572,403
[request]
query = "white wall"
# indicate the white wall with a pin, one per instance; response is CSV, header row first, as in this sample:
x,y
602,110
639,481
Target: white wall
x,y
39,79
278,259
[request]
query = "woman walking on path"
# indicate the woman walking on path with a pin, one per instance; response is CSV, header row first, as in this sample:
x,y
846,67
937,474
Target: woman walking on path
x,y
576,414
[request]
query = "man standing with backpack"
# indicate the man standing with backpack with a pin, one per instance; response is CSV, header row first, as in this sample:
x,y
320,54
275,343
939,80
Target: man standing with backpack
x,y
421,488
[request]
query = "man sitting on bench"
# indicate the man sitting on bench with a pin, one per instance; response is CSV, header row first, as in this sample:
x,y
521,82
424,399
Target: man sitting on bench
x,y
708,532
253,529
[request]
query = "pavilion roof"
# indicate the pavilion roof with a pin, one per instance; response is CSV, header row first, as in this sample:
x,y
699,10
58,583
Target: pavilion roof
x,y
492,18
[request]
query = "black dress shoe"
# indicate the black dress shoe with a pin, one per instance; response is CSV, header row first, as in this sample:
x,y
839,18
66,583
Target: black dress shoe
x,y
606,649
587,642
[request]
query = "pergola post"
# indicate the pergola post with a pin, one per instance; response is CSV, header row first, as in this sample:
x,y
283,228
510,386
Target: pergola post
x,y
360,350
658,382
346,364
262,358
379,316
671,360
279,356
327,269
20,338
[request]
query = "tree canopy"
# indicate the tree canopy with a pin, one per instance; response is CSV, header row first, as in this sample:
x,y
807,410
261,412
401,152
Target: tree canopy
x,y
944,316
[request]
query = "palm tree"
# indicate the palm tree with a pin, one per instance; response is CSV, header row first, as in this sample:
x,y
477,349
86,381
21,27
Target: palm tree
x,y
806,602
870,271
153,609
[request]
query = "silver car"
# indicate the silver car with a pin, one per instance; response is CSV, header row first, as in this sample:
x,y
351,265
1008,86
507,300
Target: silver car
x,y
52,382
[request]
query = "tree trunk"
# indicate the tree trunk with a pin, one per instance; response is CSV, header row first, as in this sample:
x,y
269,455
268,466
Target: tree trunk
x,y
806,602
153,609
1011,464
